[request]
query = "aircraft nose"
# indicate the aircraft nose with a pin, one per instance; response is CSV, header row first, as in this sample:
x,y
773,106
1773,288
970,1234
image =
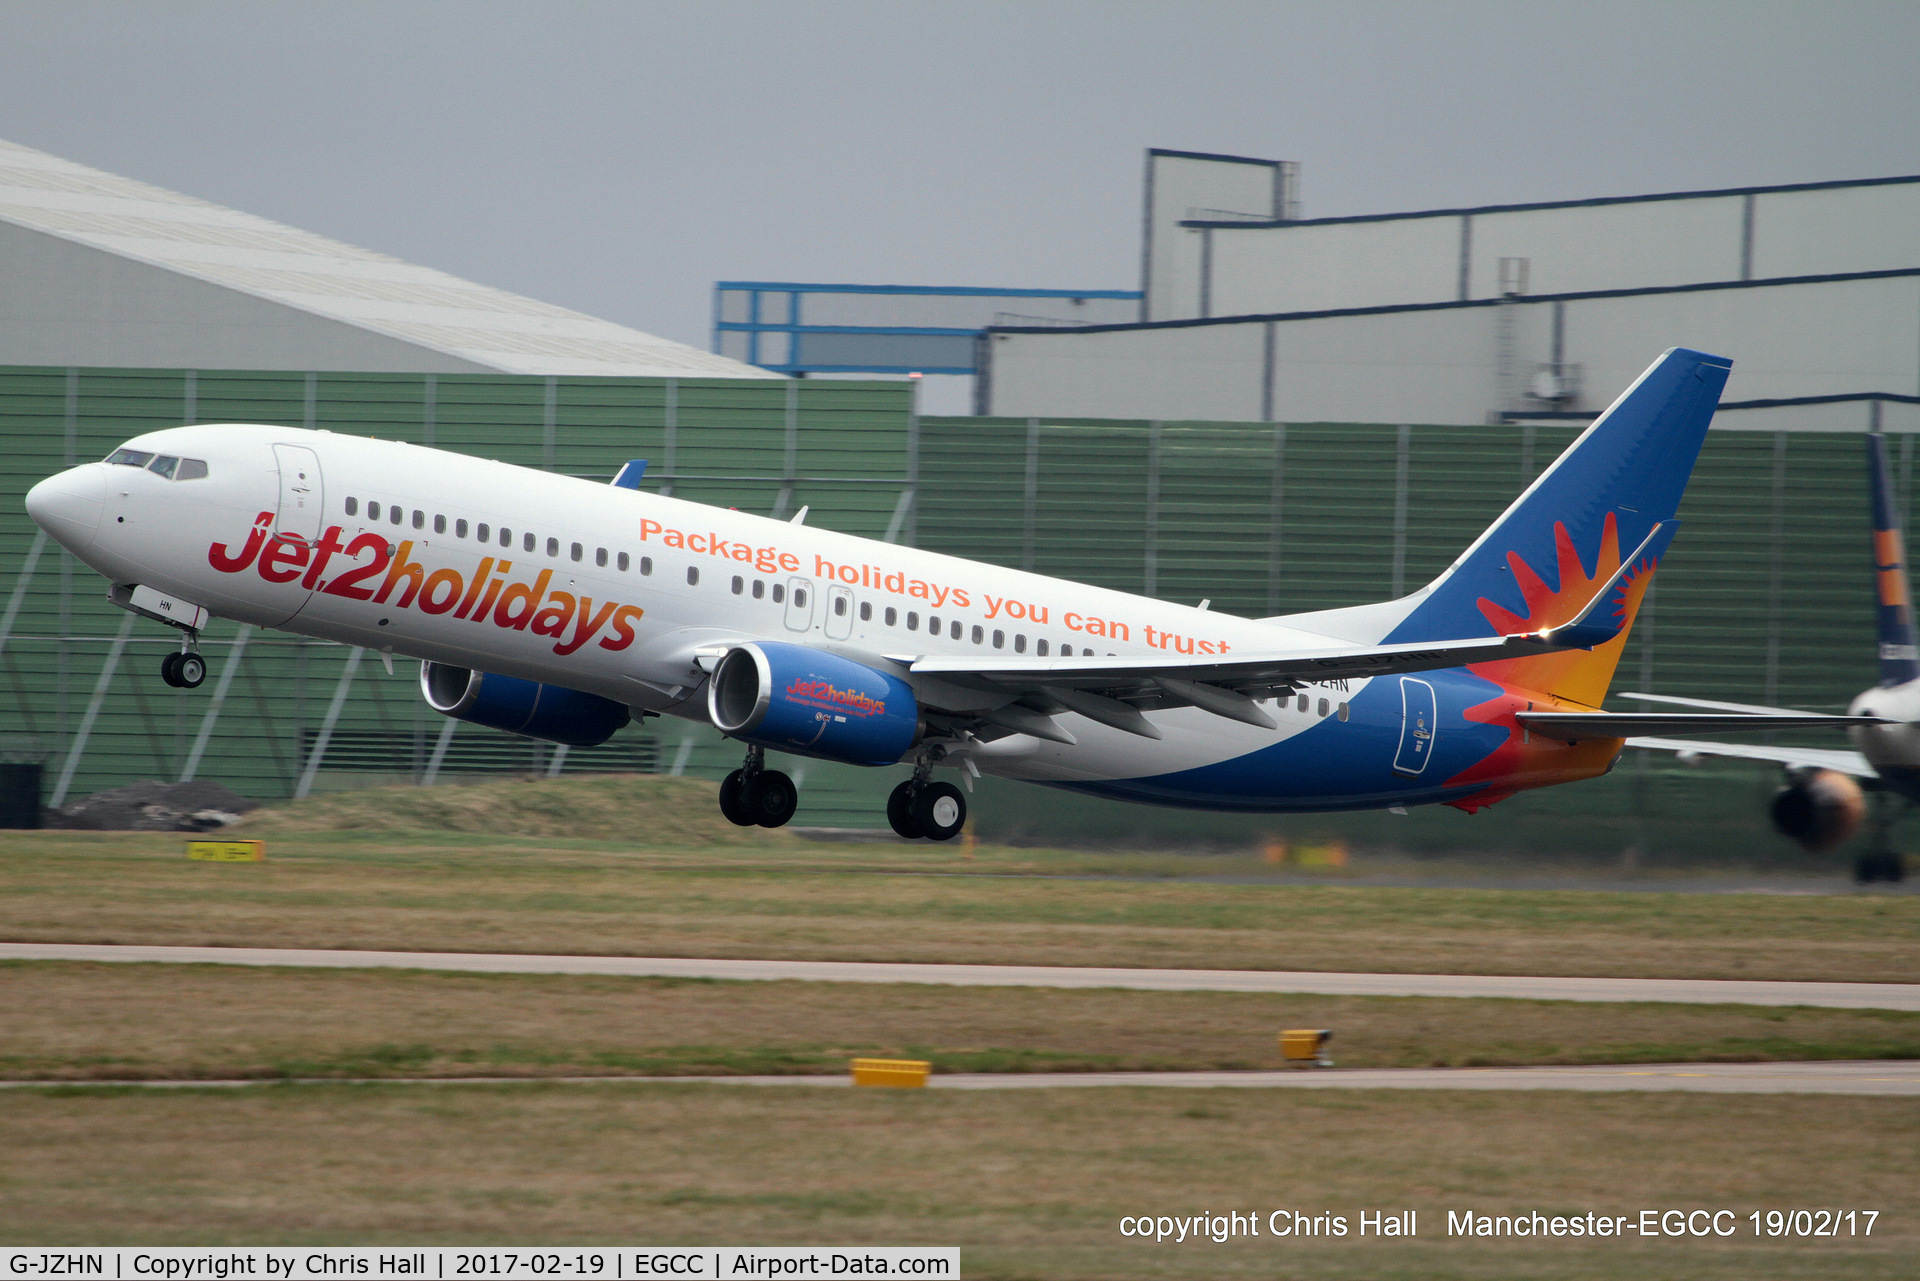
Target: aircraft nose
x,y
68,505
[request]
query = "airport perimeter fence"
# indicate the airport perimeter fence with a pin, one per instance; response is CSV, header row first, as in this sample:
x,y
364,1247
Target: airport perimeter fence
x,y
1765,596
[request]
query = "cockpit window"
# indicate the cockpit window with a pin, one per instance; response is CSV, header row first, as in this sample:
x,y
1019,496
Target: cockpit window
x,y
163,466
129,458
191,469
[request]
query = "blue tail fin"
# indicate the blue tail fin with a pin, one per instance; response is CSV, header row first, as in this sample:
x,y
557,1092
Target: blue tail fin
x,y
1540,562
1897,665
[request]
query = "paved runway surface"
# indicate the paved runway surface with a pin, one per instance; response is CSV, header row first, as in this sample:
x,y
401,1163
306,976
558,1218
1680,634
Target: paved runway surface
x,y
1876,996
1885,1078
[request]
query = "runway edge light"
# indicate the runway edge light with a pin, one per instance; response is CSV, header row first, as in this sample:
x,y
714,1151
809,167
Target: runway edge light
x,y
907,1074
227,851
1304,1047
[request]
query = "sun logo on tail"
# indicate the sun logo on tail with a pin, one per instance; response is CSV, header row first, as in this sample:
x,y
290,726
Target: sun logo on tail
x,y
1570,680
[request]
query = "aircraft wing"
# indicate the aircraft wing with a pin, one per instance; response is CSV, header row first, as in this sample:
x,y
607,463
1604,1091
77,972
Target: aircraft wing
x,y
1821,758
1578,725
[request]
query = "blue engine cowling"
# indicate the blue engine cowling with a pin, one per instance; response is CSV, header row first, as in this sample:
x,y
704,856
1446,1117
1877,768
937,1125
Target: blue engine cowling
x,y
796,699
521,707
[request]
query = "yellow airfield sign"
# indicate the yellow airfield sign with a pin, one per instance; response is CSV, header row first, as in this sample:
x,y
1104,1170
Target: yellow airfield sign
x,y
227,851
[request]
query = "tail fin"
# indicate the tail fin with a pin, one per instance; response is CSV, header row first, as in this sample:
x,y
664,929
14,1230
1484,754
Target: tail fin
x,y
1538,564
1897,660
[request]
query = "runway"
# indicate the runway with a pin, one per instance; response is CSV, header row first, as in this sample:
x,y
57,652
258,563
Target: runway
x,y
1852,996
1874,1078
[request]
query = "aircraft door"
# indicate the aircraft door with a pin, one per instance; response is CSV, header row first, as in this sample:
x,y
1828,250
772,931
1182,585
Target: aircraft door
x,y
799,604
300,492
1418,724
839,613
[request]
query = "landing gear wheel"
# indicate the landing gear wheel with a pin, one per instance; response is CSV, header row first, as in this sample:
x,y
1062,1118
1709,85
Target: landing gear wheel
x,y
170,669
1881,865
771,798
940,811
733,802
900,812
189,669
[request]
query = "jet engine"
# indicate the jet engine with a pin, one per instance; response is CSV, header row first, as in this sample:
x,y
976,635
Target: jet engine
x,y
796,699
521,707
1819,808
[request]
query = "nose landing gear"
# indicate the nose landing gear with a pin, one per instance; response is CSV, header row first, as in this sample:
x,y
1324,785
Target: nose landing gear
x,y
754,795
184,669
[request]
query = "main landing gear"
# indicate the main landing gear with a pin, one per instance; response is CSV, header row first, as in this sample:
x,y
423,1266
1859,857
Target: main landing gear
x,y
920,807
755,795
1882,862
184,668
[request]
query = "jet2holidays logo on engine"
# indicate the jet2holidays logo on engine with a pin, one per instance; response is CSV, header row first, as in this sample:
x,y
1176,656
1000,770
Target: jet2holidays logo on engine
x,y
570,620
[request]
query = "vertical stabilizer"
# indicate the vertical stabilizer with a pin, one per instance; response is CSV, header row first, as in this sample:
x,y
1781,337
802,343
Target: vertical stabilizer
x,y
1897,665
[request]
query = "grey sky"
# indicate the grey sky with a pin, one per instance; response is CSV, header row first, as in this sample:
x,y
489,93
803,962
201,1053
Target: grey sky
x,y
619,158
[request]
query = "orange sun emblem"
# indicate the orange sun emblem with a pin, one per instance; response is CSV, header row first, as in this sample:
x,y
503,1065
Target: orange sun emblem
x,y
1570,680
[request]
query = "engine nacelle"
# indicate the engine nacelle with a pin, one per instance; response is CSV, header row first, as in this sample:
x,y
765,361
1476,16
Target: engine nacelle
x,y
796,699
521,707
1819,808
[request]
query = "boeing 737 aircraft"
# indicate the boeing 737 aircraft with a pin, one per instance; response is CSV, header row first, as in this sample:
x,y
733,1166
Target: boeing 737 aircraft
x,y
556,608
1821,805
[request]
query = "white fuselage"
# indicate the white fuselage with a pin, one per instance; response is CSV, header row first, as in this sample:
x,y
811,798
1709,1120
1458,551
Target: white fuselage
x,y
622,589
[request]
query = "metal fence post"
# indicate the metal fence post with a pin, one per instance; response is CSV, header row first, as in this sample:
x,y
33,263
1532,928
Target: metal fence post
x,y
1151,569
1402,462
212,717
326,726
80,736
1030,495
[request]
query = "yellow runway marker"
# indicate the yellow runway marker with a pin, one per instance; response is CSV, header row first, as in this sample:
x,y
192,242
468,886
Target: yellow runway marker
x,y
228,851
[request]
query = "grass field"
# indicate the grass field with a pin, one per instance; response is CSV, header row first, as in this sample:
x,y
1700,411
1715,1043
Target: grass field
x,y
1031,1185
99,1021
681,882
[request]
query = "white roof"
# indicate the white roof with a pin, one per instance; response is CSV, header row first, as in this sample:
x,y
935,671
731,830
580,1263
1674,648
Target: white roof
x,y
372,291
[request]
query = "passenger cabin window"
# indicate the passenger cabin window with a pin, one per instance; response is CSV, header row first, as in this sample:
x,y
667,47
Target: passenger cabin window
x,y
484,533
373,511
779,593
600,557
1040,648
933,624
1301,704
129,458
577,552
913,621
956,629
191,469
759,588
1342,710
1019,644
693,575
439,524
891,615
799,598
979,633
506,536
999,638
419,519
739,584
646,563
1324,709
553,547
866,611
353,506
460,529
527,541
394,514
839,606
622,562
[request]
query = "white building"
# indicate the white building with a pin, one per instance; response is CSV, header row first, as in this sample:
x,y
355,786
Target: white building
x,y
1486,314
100,270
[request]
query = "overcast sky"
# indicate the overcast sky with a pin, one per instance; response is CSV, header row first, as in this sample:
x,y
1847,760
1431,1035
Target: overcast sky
x,y
619,158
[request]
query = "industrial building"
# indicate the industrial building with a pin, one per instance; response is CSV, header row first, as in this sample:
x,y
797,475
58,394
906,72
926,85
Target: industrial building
x,y
1497,313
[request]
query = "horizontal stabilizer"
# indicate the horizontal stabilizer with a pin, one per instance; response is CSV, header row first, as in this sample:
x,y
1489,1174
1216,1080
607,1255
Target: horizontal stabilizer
x,y
1815,757
1574,726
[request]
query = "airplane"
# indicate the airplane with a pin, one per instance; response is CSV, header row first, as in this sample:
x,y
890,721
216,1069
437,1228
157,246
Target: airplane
x,y
1821,805
557,608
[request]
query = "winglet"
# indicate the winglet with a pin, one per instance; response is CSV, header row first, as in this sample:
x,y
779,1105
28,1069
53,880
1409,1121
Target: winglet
x,y
630,474
1897,657
1584,631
